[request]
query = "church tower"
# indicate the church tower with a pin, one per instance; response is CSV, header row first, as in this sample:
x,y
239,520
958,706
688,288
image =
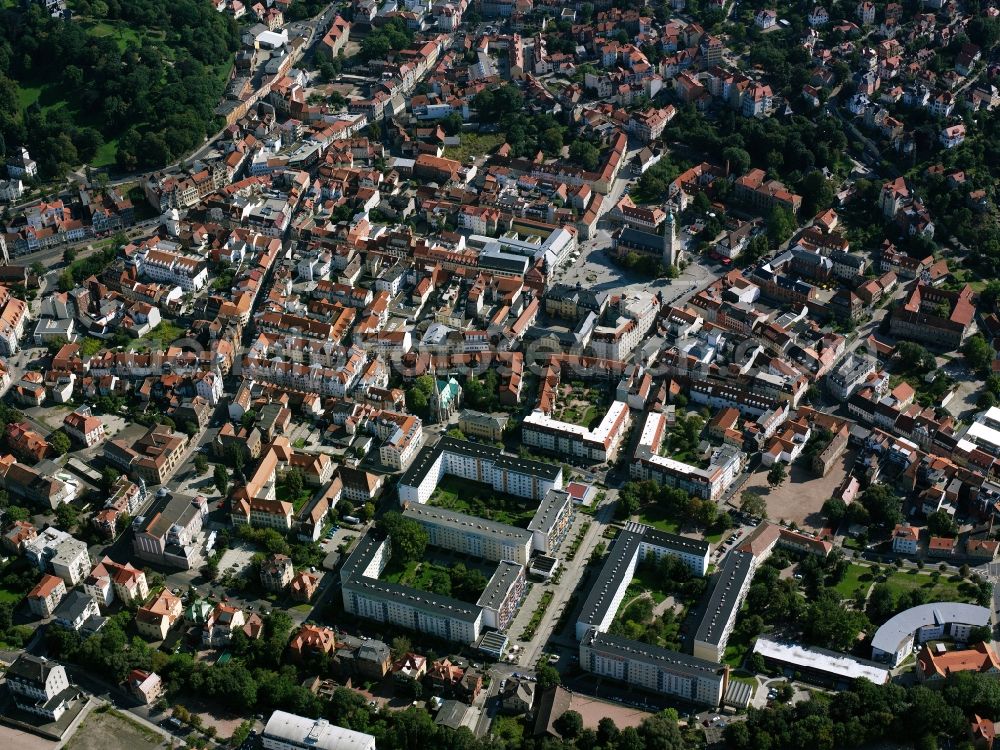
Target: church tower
x,y
671,248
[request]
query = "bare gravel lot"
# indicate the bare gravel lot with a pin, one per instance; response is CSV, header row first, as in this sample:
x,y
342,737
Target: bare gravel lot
x,y
109,730
801,497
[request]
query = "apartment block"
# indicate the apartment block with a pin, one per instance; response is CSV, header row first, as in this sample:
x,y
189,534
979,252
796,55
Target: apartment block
x,y
597,445
478,463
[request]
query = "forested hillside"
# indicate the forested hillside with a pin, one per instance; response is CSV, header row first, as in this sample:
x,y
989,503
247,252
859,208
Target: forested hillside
x,y
132,84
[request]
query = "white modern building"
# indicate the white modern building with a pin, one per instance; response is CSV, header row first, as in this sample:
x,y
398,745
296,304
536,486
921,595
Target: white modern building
x,y
895,640
285,731
636,542
366,596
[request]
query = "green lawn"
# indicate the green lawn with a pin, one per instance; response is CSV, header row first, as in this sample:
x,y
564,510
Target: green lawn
x,y
509,728
478,499
903,581
737,647
645,579
715,537
28,95
106,155
943,590
858,576
121,33
421,575
160,337
89,346
282,492
400,574
654,516
474,144
6,595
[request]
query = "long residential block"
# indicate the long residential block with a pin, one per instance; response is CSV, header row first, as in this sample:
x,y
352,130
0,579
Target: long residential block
x,y
478,463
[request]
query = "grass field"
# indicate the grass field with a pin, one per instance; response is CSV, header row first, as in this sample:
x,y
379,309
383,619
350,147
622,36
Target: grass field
x,y
160,337
478,499
654,516
121,33
106,155
6,595
282,492
859,578
474,144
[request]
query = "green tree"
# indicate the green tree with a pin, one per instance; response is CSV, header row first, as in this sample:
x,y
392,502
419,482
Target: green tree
x,y
780,226
883,505
585,154
978,353
200,464
401,646
16,513
914,356
777,474
881,604
294,482
408,538
221,477
67,516
738,159
109,477
418,396
60,442
940,523
753,504
66,282
828,624
547,677
982,634
817,193
835,509
552,140
569,725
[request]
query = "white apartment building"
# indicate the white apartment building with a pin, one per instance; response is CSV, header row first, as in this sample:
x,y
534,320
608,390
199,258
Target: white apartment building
x,y
478,463
71,561
13,317
725,464
43,547
634,544
849,374
190,274
471,535
83,427
652,668
597,445
636,314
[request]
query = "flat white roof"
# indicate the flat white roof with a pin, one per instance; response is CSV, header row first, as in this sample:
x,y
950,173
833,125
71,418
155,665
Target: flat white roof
x,y
823,661
315,733
983,435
